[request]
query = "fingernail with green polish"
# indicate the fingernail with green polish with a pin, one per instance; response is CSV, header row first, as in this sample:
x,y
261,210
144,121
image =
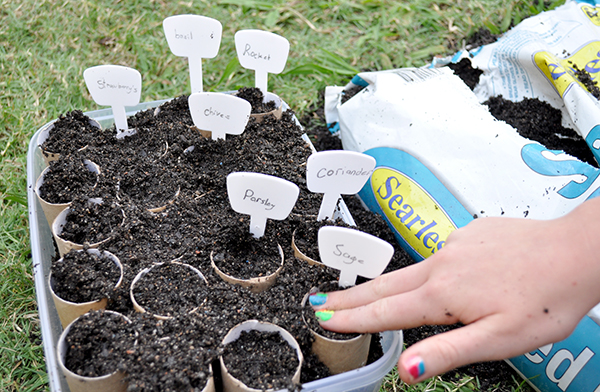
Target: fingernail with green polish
x,y
324,315
317,299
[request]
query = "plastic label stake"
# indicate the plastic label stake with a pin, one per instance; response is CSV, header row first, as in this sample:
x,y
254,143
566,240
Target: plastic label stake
x,y
115,86
263,52
262,197
336,173
353,253
219,113
195,37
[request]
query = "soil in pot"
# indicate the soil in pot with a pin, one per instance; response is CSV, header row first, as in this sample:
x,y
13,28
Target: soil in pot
x,y
67,178
97,343
149,185
84,277
170,355
255,97
261,360
91,222
238,254
71,132
169,289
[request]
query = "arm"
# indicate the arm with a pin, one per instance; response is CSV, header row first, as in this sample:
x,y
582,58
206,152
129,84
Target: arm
x,y
516,284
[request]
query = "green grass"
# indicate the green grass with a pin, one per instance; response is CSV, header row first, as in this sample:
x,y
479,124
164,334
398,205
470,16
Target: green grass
x,y
45,45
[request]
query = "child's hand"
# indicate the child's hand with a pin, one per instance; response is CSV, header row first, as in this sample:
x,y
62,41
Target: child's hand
x,y
516,284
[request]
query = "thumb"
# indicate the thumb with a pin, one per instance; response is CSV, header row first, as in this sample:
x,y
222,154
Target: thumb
x,y
441,353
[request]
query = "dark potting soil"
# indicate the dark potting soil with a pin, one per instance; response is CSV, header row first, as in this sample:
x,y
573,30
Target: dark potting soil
x,y
67,178
480,37
70,132
238,254
464,70
170,355
198,220
150,185
91,222
255,97
170,288
261,360
82,276
97,343
306,235
586,79
538,121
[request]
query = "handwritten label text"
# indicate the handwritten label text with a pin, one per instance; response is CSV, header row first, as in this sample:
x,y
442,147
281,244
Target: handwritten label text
x,y
347,257
249,194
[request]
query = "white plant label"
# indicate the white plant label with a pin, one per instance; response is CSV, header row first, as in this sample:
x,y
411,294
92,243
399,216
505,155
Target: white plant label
x,y
263,52
115,86
353,253
262,197
336,173
195,37
219,113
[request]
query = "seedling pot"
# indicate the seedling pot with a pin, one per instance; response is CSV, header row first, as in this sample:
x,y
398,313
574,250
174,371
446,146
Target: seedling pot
x,y
111,382
140,307
270,97
301,256
69,311
51,210
49,156
232,384
339,355
58,224
255,285
154,208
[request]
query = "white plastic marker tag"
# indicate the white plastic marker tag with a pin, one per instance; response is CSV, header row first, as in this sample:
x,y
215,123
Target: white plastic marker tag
x,y
262,51
336,173
262,197
353,253
195,37
219,113
115,86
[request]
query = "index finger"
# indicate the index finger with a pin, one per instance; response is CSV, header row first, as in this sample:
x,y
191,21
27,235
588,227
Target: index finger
x,y
392,283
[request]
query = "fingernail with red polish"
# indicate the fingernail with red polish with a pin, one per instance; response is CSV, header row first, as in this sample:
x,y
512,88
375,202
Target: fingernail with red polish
x,y
415,367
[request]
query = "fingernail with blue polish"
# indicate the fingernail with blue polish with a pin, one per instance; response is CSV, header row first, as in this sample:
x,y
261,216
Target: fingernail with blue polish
x,y
324,315
317,299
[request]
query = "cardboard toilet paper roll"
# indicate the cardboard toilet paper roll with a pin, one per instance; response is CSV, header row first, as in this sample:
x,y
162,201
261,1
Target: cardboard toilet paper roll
x,y
51,210
49,156
63,245
139,308
232,384
255,285
277,112
302,256
69,311
111,382
339,355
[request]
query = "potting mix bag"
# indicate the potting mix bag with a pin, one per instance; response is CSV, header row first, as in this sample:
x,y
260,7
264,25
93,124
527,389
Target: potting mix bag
x,y
443,159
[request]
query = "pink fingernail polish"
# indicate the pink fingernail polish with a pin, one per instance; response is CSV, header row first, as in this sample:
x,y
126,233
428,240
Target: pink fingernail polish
x,y
415,367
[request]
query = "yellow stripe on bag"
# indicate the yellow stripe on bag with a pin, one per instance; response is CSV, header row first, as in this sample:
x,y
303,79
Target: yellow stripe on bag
x,y
412,211
561,73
